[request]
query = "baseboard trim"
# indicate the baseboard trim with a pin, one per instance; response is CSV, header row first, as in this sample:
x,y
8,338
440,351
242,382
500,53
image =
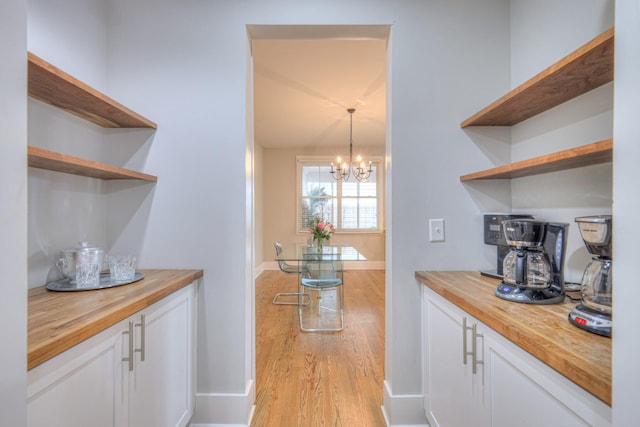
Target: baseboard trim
x,y
224,409
258,271
403,410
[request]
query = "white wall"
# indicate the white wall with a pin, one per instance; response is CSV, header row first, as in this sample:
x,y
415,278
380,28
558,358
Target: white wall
x,y
259,197
626,340
446,58
13,215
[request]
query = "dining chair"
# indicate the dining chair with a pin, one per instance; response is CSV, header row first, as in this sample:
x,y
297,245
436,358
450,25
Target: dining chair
x,y
287,268
322,281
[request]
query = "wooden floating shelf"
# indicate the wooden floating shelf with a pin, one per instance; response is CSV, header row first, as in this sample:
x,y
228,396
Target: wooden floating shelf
x,y
50,84
583,70
585,155
51,160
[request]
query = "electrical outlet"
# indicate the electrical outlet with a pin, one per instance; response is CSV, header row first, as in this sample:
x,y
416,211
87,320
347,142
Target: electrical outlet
x,y
436,230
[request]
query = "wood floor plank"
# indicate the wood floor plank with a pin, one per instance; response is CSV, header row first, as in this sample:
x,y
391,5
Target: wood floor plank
x,y
309,379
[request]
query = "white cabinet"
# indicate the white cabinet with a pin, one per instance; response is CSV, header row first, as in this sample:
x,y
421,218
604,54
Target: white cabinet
x,y
80,387
509,387
454,371
526,392
162,386
94,383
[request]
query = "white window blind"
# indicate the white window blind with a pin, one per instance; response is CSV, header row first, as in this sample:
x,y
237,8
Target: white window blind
x,y
351,206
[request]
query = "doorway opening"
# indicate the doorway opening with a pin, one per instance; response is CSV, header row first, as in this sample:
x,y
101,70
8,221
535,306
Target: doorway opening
x,y
305,78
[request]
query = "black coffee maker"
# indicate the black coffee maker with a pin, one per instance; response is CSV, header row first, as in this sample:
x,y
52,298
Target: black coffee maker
x,y
494,235
533,268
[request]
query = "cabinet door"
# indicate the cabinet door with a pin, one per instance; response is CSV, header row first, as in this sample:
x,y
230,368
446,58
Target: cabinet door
x,y
80,387
453,394
525,392
161,385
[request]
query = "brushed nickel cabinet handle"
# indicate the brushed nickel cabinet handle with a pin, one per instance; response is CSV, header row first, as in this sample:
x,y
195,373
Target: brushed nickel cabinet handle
x,y
466,328
475,335
464,340
143,345
129,359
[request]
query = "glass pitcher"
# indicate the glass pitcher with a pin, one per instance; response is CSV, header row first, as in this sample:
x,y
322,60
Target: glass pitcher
x,y
596,285
527,269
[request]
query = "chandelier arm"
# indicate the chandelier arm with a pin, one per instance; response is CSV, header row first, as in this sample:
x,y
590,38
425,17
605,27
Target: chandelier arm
x,y
342,172
362,174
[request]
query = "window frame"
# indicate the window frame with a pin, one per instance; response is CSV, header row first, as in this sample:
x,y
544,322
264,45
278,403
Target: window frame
x,y
325,161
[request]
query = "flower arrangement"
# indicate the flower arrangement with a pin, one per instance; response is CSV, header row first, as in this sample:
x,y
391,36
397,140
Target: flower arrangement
x,y
321,230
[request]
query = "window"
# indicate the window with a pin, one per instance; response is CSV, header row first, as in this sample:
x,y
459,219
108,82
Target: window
x,y
352,206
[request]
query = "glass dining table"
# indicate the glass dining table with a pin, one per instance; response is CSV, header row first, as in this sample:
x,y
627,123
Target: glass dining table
x,y
299,252
320,283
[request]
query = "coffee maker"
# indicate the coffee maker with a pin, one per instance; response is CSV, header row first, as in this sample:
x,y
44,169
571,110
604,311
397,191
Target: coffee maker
x,y
533,268
494,235
594,312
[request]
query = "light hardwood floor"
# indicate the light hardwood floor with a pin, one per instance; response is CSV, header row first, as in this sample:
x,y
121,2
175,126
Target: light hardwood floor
x,y
320,379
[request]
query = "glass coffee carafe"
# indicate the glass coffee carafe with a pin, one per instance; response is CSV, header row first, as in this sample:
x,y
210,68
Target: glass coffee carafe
x,y
596,285
594,313
526,265
527,268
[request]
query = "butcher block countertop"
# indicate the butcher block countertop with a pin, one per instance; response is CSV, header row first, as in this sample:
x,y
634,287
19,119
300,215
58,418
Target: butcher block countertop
x,y
58,321
542,330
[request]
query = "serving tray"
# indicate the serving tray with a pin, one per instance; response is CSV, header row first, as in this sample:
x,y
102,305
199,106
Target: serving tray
x,y
65,285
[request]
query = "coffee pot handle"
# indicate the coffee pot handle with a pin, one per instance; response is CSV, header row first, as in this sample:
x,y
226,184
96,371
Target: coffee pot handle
x,y
520,267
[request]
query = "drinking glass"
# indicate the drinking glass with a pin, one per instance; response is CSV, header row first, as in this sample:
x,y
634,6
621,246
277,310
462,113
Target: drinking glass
x,y
88,271
122,268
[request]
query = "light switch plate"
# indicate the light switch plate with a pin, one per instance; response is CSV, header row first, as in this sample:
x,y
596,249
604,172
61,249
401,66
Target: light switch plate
x,y
436,230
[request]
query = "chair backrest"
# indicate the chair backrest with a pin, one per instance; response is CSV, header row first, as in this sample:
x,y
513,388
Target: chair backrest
x,y
287,268
320,270
322,274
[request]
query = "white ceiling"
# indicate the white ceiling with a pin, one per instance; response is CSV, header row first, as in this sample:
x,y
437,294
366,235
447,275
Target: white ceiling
x,y
302,89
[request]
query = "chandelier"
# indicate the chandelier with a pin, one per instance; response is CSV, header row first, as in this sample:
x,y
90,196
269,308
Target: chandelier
x,y
343,170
